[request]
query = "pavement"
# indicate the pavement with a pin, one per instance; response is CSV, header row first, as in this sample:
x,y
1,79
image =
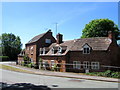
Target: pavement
x,y
62,74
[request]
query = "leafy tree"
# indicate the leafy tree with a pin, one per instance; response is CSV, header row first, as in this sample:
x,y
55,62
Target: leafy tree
x,y
10,45
100,28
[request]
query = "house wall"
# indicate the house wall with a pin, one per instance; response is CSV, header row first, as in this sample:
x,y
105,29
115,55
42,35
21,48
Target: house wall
x,y
34,53
110,57
95,56
57,59
20,59
31,51
114,55
41,42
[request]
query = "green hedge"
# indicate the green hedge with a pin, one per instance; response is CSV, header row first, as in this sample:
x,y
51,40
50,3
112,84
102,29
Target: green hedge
x,y
107,73
4,58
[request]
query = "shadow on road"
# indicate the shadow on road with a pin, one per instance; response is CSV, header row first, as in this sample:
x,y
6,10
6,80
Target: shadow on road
x,y
22,86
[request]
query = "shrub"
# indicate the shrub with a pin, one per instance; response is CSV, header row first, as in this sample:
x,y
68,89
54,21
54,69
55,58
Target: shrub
x,y
107,73
22,63
27,60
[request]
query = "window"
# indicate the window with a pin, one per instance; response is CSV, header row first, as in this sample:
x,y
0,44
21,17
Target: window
x,y
32,50
86,49
86,65
41,51
28,48
47,40
76,64
59,50
52,50
52,63
95,65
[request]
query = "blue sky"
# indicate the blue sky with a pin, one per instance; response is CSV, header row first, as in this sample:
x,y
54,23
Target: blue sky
x,y
28,19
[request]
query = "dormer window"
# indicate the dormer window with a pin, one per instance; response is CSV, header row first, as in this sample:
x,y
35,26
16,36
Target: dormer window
x,y
59,50
48,41
52,50
86,49
43,51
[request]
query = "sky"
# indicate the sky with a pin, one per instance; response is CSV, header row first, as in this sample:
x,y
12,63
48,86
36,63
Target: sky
x,y
28,19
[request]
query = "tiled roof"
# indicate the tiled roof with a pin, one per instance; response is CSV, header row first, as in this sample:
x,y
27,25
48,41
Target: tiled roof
x,y
66,45
96,43
36,38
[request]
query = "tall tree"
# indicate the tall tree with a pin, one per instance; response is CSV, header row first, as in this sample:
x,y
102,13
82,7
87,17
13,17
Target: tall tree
x,y
100,28
10,45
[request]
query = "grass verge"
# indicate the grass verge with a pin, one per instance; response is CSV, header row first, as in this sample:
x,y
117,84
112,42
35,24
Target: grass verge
x,y
13,69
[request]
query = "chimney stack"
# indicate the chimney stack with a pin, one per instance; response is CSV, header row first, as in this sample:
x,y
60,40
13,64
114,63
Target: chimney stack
x,y
111,35
59,38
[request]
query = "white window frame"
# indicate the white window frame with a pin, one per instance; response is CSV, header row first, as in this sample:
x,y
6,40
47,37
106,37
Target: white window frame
x,y
52,63
95,65
86,49
86,64
28,48
52,50
48,41
31,49
59,50
43,51
76,64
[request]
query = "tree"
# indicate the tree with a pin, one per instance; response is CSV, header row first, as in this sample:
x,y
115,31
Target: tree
x,y
10,45
100,28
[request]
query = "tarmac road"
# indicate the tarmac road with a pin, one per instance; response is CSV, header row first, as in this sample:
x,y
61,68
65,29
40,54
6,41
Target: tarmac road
x,y
12,77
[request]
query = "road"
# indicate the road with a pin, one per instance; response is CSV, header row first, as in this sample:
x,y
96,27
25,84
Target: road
x,y
11,77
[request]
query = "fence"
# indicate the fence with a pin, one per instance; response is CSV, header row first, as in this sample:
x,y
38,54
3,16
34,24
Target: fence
x,y
69,66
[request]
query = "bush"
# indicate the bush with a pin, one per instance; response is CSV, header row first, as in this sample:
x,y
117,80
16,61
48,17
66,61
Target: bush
x,y
4,58
22,63
26,59
30,65
107,73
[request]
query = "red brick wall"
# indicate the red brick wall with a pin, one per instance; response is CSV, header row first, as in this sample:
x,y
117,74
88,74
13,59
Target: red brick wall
x,y
20,59
31,52
58,59
39,44
111,57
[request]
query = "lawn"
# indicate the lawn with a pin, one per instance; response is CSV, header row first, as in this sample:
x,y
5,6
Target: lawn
x,y
13,68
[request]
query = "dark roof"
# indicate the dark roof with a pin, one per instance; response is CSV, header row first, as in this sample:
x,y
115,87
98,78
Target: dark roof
x,y
96,43
36,38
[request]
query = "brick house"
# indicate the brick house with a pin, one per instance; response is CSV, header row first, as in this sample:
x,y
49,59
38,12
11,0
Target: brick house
x,y
78,55
93,54
33,46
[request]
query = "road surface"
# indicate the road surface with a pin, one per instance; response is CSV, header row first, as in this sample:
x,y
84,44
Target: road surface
x,y
12,77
